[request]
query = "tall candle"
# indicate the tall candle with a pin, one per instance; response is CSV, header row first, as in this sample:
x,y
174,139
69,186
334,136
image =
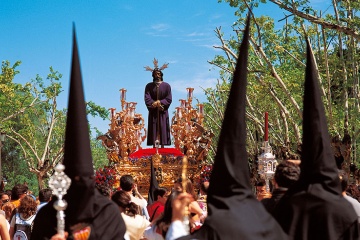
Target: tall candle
x,y
123,94
190,93
266,127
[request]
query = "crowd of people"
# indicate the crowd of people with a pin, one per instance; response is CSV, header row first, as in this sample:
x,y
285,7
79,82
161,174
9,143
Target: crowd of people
x,y
152,221
19,208
308,202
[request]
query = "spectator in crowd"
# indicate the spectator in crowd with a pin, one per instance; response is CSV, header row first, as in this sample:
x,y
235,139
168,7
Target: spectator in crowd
x,y
9,209
344,184
45,196
4,198
203,195
8,192
104,190
157,208
24,217
4,228
135,223
286,175
18,192
128,185
353,191
261,191
197,215
160,227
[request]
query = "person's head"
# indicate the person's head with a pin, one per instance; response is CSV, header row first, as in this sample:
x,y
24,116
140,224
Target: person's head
x,y
8,208
45,195
27,207
286,174
9,193
4,197
204,186
160,194
189,187
157,75
165,220
19,191
127,183
344,180
104,190
123,200
260,186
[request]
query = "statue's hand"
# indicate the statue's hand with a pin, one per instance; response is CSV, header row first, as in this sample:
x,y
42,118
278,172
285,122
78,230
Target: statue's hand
x,y
156,104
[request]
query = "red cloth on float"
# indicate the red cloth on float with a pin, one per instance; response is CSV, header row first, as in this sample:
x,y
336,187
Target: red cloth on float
x,y
145,152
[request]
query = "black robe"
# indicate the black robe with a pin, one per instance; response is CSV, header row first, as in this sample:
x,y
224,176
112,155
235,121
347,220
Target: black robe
x,y
106,224
165,98
314,207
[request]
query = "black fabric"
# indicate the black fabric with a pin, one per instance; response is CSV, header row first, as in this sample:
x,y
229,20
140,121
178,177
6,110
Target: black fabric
x,y
86,207
234,213
77,155
153,184
271,203
107,223
314,208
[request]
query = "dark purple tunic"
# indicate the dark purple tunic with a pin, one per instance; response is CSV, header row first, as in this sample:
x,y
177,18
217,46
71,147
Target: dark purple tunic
x,y
164,95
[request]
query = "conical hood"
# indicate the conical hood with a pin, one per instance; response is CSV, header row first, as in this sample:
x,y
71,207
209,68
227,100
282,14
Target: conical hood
x,y
230,173
234,213
153,184
88,215
314,207
77,156
317,161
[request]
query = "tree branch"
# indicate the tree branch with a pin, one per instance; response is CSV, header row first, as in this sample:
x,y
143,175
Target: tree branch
x,y
320,21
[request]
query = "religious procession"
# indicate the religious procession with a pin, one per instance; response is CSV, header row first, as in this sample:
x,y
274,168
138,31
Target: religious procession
x,y
179,186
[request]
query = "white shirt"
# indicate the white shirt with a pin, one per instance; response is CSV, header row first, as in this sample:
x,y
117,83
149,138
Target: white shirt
x,y
135,226
140,202
355,204
176,230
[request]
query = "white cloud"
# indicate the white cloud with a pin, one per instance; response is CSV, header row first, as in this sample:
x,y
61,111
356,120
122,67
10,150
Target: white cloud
x,y
160,27
198,83
195,34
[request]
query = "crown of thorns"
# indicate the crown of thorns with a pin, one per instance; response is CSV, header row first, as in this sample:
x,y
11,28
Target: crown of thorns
x,y
156,66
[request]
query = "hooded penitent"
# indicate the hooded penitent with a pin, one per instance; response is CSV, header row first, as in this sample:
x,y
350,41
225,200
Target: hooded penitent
x,y
153,184
314,208
88,214
234,213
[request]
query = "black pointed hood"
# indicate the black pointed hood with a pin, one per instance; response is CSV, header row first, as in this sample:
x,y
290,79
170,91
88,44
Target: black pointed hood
x,y
88,212
314,207
317,159
153,184
234,212
77,157
231,171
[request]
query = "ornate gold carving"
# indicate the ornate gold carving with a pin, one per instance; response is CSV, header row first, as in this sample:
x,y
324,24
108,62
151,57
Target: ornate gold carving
x,y
127,131
190,136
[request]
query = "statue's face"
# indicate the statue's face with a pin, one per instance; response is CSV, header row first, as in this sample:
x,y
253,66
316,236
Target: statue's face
x,y
157,76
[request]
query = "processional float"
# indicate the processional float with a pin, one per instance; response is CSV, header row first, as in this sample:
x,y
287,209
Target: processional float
x,y
127,132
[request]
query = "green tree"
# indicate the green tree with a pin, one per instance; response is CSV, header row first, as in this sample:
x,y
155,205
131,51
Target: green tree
x,y
276,74
33,121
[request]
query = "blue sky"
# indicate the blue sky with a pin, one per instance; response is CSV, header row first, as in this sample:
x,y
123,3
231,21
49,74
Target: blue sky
x,y
116,40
